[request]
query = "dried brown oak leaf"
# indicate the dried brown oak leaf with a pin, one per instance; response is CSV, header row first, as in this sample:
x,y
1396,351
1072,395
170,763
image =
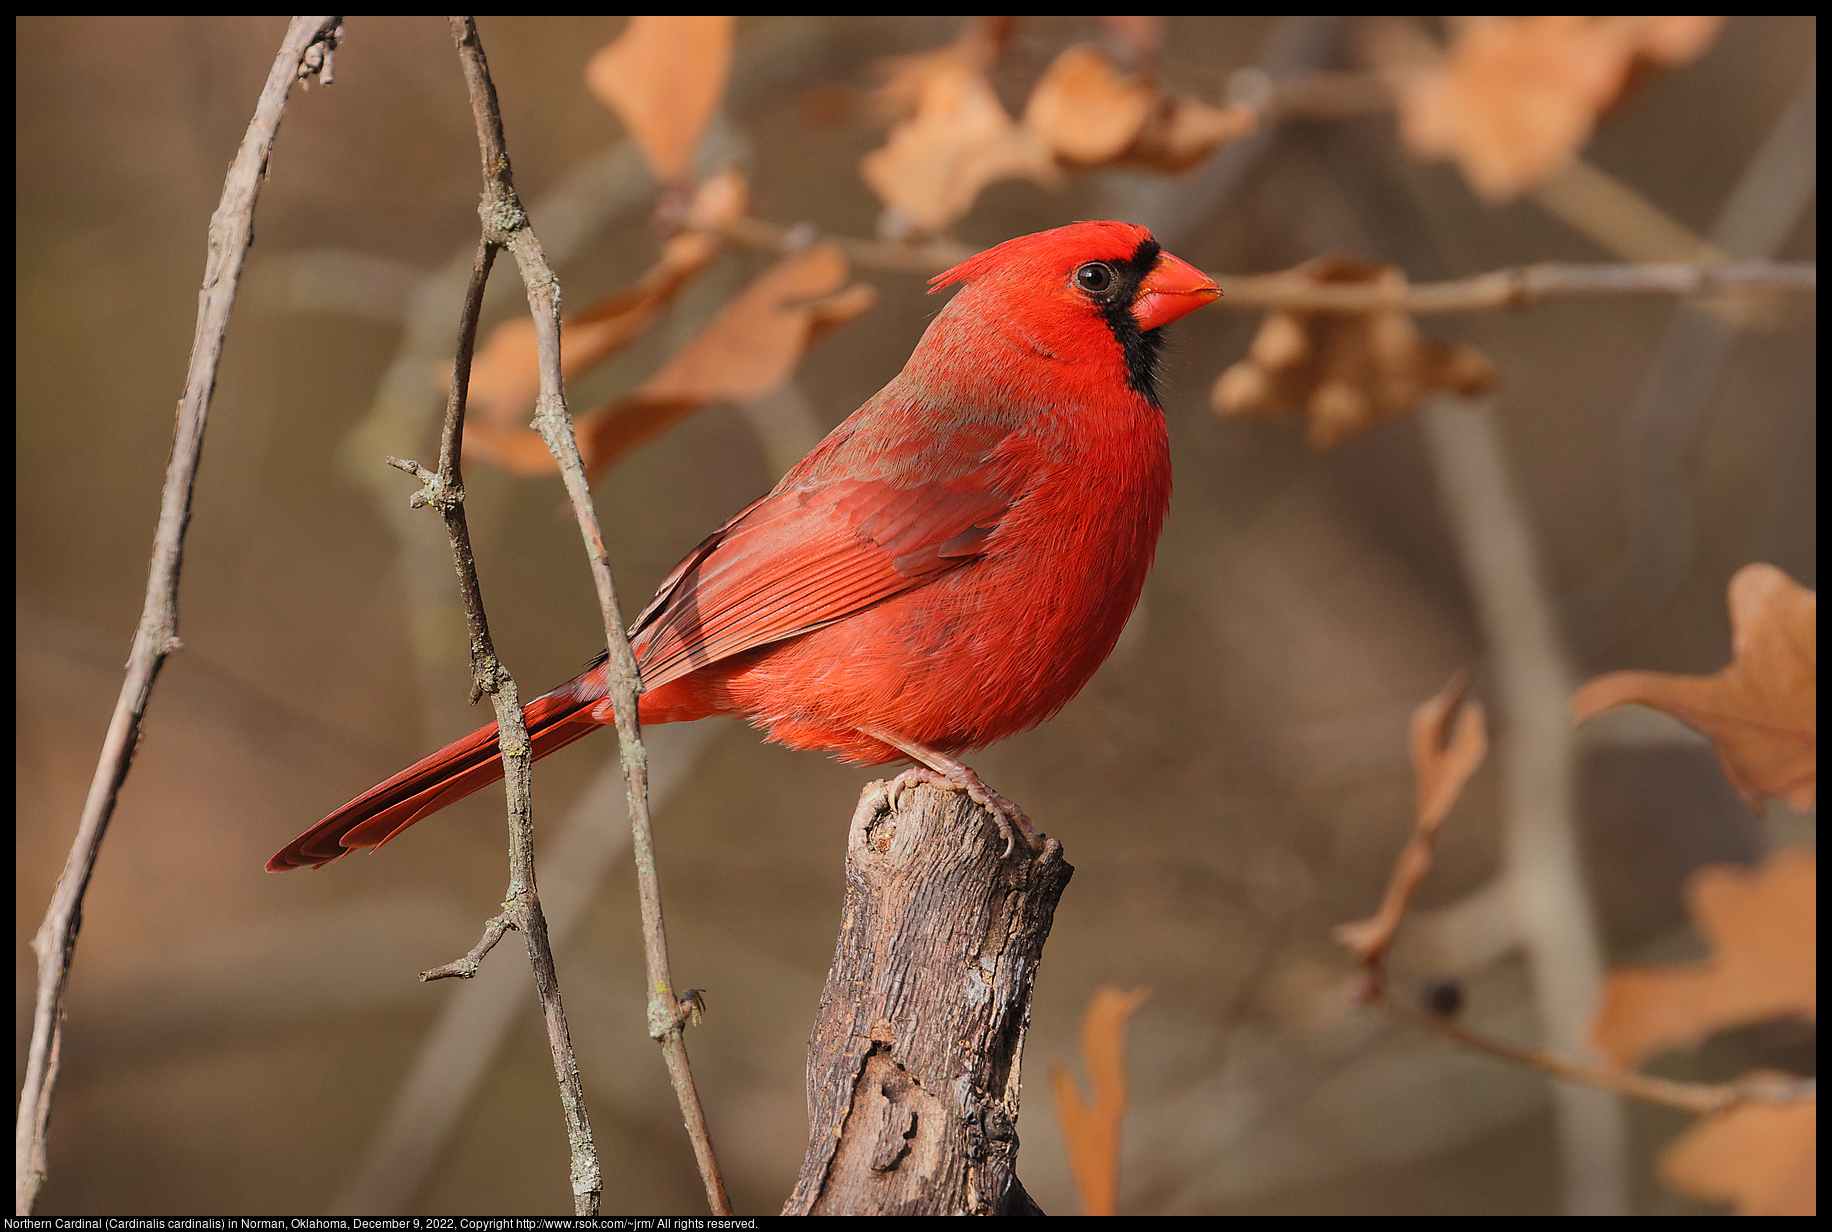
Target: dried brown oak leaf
x,y
1444,756
1515,98
664,77
1089,113
1761,1157
749,349
960,140
1761,712
1091,1132
1346,371
1760,924
1085,109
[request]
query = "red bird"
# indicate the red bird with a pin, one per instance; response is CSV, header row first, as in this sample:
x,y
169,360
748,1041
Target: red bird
x,y
948,567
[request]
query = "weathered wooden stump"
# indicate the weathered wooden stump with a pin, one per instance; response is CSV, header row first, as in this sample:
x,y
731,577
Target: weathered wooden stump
x,y
913,1069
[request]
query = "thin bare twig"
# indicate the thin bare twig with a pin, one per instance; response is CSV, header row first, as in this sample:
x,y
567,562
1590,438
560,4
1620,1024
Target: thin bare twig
x,y
1517,286
444,491
521,904
465,968
231,232
605,185
507,224
1369,940
928,257
1701,1097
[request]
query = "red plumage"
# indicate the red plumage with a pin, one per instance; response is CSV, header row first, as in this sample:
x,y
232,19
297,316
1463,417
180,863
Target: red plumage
x,y
948,567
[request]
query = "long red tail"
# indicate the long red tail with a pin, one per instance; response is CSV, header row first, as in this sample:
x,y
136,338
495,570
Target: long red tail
x,y
454,772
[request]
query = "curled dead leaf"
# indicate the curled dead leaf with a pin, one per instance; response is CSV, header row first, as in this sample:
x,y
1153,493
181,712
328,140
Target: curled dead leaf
x,y
1760,925
1761,712
1346,371
1092,1131
664,77
1089,113
1448,742
1515,98
1444,756
959,141
505,372
1764,1158
1083,111
1182,131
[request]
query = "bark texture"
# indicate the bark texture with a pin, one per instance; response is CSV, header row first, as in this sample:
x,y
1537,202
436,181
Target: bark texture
x,y
913,1069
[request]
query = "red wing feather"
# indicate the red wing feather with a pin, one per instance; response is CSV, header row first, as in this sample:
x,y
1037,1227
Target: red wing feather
x,y
804,557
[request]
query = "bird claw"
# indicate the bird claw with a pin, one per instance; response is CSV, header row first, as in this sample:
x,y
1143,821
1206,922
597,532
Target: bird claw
x,y
911,779
1007,816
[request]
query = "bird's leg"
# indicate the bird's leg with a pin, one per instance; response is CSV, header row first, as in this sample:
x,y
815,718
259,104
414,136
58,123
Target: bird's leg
x,y
940,770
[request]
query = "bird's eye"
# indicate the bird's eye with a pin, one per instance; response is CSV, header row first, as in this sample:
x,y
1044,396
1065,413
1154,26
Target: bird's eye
x,y
1095,277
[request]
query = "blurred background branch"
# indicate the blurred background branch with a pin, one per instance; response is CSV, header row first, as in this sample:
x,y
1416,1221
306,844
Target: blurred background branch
x,y
1670,404
1548,888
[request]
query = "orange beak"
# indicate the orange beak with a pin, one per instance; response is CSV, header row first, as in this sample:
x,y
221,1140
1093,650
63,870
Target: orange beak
x,y
1173,289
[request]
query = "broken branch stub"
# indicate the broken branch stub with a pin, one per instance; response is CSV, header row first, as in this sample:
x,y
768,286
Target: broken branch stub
x,y
913,1067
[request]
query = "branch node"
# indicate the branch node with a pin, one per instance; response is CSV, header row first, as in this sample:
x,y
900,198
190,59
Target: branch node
x,y
665,1021
433,491
488,675
502,215
318,60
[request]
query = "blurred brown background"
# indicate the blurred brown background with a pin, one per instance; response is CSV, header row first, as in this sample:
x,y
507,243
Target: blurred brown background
x,y
1231,784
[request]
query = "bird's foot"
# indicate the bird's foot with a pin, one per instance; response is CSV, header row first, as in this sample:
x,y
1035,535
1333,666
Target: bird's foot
x,y
1009,817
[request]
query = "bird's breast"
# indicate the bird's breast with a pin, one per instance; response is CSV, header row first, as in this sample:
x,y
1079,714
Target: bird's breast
x,y
1004,640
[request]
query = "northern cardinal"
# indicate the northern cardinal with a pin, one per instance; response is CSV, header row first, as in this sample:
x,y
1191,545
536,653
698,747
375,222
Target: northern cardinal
x,y
948,567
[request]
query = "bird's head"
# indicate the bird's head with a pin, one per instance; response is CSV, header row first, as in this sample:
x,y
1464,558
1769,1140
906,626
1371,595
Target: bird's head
x,y
1090,291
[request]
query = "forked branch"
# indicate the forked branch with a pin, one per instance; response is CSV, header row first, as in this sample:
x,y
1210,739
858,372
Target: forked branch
x,y
444,491
506,225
